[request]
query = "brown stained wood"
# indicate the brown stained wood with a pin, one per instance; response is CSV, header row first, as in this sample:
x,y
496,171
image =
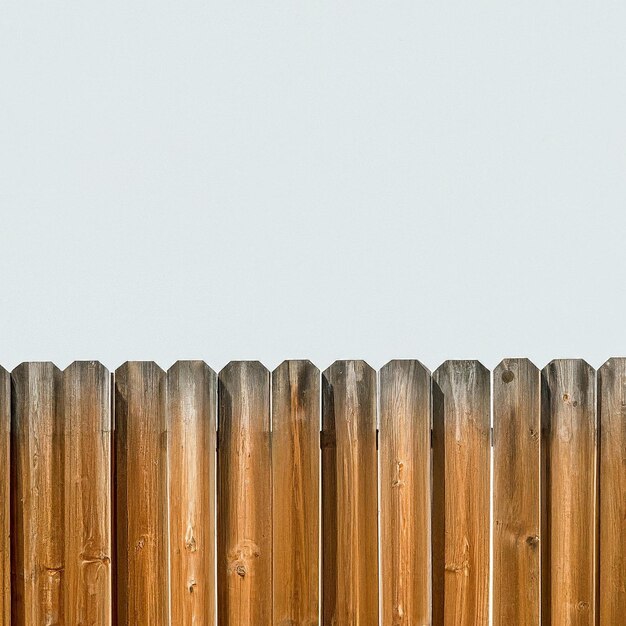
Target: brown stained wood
x,y
349,495
462,429
191,415
37,509
517,493
295,488
88,493
244,512
5,498
405,466
612,419
141,495
570,571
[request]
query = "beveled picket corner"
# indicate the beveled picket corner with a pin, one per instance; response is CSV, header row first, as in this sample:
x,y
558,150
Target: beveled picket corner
x,y
174,497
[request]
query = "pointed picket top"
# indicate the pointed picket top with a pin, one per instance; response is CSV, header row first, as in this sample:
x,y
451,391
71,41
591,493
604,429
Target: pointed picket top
x,y
300,363
189,364
405,363
461,367
506,366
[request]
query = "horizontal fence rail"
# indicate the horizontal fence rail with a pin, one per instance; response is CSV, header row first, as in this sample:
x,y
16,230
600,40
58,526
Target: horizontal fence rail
x,y
347,497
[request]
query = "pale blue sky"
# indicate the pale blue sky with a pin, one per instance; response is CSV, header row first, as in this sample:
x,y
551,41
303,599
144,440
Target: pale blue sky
x,y
326,180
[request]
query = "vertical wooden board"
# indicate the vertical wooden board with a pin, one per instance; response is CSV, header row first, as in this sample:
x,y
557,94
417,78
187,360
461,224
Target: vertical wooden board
x,y
37,509
349,495
191,414
88,494
405,497
5,498
571,491
517,493
295,492
142,595
244,514
464,388
612,419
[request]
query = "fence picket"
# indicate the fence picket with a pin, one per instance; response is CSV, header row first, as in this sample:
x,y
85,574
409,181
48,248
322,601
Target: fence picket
x,y
37,539
141,495
244,575
5,498
462,429
612,418
295,487
349,495
570,572
191,413
88,547
517,532
405,467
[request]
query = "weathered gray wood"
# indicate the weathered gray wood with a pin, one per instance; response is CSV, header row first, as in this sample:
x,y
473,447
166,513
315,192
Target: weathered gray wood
x,y
191,414
5,498
570,572
349,495
88,494
244,500
462,429
405,498
295,487
38,516
142,571
517,493
612,418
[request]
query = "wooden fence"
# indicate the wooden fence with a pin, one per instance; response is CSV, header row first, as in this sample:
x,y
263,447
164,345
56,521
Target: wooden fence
x,y
421,501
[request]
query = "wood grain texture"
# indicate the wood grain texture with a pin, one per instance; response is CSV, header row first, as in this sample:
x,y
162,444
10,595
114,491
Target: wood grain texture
x,y
464,401
612,420
517,493
141,495
295,489
569,390
244,570
37,508
191,415
5,498
349,495
88,493
405,467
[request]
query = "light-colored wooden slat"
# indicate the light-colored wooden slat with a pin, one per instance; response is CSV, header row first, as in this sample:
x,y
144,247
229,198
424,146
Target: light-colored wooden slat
x,y
141,495
405,467
88,493
191,415
517,493
5,498
349,495
612,419
38,513
464,389
244,512
295,489
570,571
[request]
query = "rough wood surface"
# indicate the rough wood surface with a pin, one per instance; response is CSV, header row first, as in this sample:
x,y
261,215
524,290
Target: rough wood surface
x,y
349,495
37,496
571,491
141,495
464,389
405,467
612,418
5,497
191,414
244,570
517,493
295,488
88,494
